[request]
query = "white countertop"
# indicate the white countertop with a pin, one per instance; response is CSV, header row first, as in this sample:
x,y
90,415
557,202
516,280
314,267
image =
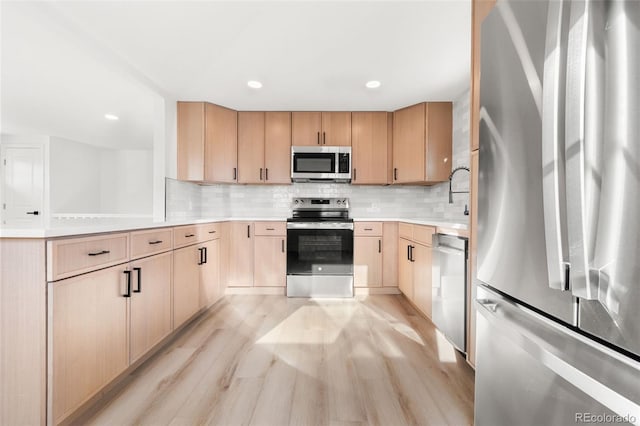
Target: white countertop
x,y
71,227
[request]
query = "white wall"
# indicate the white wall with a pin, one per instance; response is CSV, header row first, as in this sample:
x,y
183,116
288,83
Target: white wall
x,y
126,182
74,177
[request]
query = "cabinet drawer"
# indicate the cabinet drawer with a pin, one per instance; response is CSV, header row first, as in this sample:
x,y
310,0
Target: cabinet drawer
x,y
423,234
405,230
185,235
75,256
367,229
152,241
271,228
209,231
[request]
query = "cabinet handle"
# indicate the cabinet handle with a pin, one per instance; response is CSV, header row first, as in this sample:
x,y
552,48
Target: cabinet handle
x,y
35,212
98,253
324,138
139,271
408,252
411,254
201,260
354,174
266,174
271,229
260,173
318,138
155,242
368,229
189,235
248,231
283,246
379,246
395,173
235,173
205,254
212,232
128,293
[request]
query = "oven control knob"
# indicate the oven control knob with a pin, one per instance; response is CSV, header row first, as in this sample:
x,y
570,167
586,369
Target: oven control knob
x,y
297,201
339,202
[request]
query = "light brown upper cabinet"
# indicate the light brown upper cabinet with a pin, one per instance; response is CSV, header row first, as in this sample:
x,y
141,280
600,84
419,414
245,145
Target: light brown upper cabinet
x,y
370,142
422,139
264,147
207,142
321,128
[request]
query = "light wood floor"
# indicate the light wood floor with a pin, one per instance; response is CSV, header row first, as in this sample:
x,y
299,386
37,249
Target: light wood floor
x,y
269,360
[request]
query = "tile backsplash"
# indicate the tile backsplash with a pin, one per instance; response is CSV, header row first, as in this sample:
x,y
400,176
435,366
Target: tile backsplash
x,y
186,200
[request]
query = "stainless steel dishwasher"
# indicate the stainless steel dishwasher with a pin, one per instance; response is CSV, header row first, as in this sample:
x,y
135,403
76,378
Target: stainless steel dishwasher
x,y
449,300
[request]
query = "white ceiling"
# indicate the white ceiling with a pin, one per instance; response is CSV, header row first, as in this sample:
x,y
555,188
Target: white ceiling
x,y
78,59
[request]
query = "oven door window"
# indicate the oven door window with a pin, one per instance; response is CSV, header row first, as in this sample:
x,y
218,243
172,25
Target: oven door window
x,y
314,162
319,252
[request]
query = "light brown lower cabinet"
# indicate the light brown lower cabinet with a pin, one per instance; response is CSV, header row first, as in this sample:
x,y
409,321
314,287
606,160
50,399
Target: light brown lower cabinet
x,y
150,302
240,271
186,283
405,268
415,270
210,286
270,267
89,332
367,261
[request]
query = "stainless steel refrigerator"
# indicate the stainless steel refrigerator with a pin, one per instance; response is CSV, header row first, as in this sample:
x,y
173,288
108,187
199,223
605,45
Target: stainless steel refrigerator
x,y
558,275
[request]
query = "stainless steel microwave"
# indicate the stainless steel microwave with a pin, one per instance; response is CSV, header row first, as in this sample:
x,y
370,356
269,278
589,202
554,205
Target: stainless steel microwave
x,y
321,163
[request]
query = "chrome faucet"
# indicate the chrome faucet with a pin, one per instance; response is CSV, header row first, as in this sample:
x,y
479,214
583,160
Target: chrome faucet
x,y
466,209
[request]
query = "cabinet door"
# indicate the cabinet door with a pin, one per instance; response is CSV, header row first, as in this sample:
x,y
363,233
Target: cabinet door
x,y
422,278
367,261
277,147
150,302
390,254
409,128
190,140
221,144
186,284
210,290
251,135
336,128
90,336
369,141
270,261
240,272
405,268
224,245
439,141
306,128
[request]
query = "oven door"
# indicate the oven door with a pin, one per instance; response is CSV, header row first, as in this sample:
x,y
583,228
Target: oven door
x,y
319,248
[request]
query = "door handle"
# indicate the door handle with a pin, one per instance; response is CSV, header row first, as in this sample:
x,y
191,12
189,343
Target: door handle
x,y
260,173
395,173
35,212
139,271
128,293
379,246
408,252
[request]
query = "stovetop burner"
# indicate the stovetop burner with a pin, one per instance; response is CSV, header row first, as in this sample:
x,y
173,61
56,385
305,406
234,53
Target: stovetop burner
x,y
320,210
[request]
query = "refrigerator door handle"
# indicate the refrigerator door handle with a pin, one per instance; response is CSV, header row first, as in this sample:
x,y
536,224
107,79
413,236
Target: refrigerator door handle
x,y
583,141
553,173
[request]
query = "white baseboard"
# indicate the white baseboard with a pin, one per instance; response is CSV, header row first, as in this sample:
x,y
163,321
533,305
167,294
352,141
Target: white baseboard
x,y
364,291
280,291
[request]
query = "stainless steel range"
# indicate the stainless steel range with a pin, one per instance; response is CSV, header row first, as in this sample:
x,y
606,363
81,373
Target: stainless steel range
x,y
320,248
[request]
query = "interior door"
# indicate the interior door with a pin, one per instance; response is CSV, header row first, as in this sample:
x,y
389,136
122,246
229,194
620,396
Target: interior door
x,y
22,186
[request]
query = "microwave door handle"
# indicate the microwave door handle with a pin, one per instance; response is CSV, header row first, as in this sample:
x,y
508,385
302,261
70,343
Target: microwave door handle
x,y
583,138
553,172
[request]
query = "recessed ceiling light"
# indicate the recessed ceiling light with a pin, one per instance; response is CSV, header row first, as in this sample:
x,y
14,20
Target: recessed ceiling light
x,y
373,84
254,84
111,117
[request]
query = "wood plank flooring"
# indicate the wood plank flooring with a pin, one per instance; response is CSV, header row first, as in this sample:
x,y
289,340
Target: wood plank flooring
x,y
269,360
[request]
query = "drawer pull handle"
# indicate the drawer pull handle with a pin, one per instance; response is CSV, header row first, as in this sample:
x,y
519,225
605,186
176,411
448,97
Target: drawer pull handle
x,y
189,235
368,229
271,229
155,242
98,253
212,232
